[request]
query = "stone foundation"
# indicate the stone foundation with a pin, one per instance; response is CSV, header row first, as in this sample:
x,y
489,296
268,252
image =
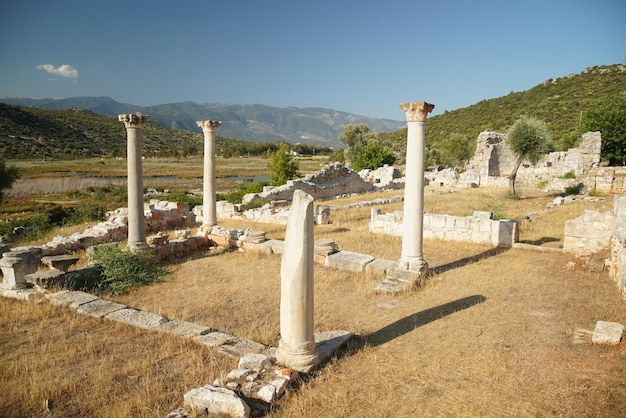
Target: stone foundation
x,y
479,228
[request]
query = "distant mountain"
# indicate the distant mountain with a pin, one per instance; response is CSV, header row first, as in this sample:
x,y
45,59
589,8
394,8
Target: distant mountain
x,y
259,123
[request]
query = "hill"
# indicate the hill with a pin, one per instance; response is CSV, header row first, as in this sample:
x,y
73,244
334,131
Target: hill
x,y
559,102
89,126
258,123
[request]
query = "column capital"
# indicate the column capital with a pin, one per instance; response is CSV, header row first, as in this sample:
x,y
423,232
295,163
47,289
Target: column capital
x,y
209,125
416,111
133,120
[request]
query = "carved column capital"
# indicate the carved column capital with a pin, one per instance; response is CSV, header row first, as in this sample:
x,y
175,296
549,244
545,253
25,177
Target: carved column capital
x,y
209,125
133,120
416,111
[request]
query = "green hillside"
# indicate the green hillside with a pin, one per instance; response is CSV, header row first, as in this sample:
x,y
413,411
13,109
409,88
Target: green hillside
x,y
559,102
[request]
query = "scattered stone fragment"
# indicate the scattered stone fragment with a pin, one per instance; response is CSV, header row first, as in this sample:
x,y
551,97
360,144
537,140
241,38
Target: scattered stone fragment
x,y
609,333
230,345
255,361
217,400
178,413
348,260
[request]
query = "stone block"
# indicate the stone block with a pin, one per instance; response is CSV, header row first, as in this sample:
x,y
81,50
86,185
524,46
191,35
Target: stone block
x,y
609,333
47,279
184,328
230,345
254,361
28,295
326,343
379,267
271,246
216,400
60,262
72,299
141,319
99,308
347,260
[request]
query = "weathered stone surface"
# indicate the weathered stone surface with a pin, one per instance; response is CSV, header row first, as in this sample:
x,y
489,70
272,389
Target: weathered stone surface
x,y
184,328
609,333
217,400
99,308
255,361
47,279
60,262
326,343
229,344
28,295
347,260
271,246
141,319
72,299
273,390
379,267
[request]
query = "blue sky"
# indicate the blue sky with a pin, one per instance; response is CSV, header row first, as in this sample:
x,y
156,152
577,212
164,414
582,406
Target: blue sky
x,y
362,57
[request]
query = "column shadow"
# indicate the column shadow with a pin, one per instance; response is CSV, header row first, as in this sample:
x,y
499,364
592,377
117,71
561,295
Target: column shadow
x,y
468,260
416,320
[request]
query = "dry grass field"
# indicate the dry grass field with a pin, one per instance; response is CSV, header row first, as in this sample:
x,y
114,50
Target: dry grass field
x,y
490,334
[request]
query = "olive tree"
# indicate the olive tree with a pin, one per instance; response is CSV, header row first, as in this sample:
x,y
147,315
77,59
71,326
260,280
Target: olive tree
x,y
529,139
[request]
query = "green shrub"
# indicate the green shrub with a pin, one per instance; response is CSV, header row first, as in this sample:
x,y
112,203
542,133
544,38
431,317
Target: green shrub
x,y
542,184
237,195
124,269
569,175
575,189
595,193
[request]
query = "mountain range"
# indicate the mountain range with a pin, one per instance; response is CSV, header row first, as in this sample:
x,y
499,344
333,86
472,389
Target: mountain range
x,y
255,122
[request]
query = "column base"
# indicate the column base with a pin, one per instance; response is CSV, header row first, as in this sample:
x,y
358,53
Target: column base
x,y
415,265
137,246
298,360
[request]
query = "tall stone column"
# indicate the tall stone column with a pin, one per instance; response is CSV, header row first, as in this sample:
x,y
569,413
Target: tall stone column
x,y
296,348
209,212
412,257
136,221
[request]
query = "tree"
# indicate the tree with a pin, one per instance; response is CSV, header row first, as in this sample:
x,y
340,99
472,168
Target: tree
x,y
281,164
8,175
372,156
529,139
609,117
355,137
455,150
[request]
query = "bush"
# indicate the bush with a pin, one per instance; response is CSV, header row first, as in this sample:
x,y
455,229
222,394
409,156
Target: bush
x,y
124,269
578,189
372,156
542,184
237,196
569,175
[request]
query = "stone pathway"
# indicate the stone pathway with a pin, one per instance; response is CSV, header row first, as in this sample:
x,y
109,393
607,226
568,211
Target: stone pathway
x,y
249,390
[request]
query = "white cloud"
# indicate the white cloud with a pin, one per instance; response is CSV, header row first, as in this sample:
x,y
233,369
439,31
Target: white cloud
x,y
64,70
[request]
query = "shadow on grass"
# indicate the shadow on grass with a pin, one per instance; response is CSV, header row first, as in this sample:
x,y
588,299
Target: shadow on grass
x,y
540,241
411,322
468,260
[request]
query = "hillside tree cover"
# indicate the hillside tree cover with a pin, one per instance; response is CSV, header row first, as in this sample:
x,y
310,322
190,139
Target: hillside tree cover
x,y
8,175
609,117
365,148
529,139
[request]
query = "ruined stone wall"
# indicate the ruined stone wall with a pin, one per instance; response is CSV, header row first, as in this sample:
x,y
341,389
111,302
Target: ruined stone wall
x,y
493,161
334,179
479,228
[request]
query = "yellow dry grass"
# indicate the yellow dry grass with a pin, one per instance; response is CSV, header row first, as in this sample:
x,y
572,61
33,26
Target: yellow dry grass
x,y
488,335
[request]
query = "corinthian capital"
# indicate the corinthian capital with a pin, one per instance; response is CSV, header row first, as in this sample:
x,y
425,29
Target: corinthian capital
x,y
416,111
209,125
134,120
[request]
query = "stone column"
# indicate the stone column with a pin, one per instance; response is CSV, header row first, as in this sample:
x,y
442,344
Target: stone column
x,y
412,257
136,220
209,212
296,348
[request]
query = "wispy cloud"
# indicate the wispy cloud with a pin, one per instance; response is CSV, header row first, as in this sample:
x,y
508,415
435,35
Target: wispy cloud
x,y
64,70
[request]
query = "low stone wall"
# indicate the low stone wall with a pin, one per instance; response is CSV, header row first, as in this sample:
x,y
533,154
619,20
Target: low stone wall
x,y
479,228
594,232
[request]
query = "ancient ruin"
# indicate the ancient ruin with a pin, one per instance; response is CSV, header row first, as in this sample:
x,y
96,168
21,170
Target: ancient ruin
x,y
209,128
136,227
296,348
